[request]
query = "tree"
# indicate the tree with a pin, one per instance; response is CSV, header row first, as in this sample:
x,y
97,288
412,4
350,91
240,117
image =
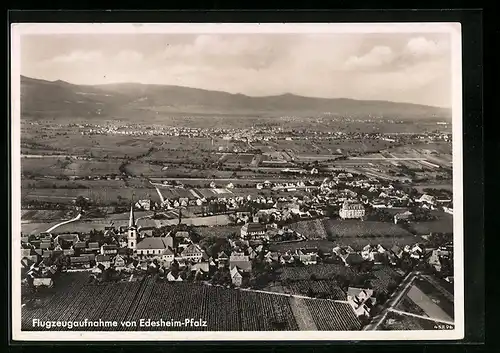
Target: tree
x,y
82,202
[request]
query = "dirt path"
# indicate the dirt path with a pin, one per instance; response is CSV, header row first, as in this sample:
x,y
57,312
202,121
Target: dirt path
x,y
65,222
302,314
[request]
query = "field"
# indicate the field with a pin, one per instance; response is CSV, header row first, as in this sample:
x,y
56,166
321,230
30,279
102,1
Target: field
x,y
237,159
320,271
331,316
440,299
98,195
42,215
355,228
221,232
443,224
74,300
219,220
72,167
313,229
36,227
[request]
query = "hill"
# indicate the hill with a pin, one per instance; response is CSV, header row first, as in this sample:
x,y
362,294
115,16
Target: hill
x,y
59,98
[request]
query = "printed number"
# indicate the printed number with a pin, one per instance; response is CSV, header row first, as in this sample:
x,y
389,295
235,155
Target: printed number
x,y
443,327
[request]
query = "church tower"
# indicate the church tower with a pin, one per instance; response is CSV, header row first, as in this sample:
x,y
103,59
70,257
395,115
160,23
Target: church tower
x,y
132,230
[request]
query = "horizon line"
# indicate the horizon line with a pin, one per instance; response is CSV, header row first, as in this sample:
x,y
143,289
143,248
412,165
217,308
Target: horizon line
x,y
239,93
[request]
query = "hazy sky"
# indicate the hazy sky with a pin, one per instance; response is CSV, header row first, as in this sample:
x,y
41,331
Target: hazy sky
x,y
405,67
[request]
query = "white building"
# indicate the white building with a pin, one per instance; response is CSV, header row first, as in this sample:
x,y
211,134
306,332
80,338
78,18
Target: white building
x,y
352,209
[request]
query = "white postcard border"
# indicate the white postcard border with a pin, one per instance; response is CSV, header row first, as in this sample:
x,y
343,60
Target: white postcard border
x,y
454,29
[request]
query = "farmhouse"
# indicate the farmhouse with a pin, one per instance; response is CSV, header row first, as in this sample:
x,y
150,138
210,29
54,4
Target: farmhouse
x,y
351,209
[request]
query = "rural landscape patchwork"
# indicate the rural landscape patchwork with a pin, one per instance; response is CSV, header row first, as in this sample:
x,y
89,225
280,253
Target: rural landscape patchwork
x,y
160,207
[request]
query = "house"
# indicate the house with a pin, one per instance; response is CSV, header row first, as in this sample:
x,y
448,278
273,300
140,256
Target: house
x,y
119,262
25,253
79,245
361,300
368,253
416,251
172,278
337,250
93,247
405,216
434,260
286,259
109,249
380,249
352,259
68,252
397,251
222,256
271,256
203,266
427,199
192,252
110,232
44,245
307,256
143,204
252,231
80,261
168,255
151,247
241,261
104,260
47,282
252,254
182,235
236,277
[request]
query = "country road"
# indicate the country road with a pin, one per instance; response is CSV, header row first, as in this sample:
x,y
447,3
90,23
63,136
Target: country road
x,y
65,222
158,191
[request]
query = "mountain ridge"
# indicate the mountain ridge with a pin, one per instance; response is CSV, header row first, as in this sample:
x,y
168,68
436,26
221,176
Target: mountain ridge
x,y
42,97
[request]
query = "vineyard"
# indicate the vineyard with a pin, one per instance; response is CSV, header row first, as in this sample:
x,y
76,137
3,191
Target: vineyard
x,y
384,280
332,316
313,229
320,271
73,299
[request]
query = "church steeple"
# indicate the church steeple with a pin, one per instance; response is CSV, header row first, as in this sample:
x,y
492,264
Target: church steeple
x,y
132,230
131,220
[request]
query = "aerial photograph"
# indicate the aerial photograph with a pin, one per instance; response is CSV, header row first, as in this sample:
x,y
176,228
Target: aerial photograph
x,y
236,182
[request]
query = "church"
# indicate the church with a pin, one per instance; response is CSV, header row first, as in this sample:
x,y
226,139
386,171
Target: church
x,y
146,246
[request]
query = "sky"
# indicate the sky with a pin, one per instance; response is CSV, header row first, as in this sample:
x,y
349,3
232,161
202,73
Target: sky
x,y
399,67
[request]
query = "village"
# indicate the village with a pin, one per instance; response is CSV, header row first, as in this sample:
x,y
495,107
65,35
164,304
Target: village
x,y
267,243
